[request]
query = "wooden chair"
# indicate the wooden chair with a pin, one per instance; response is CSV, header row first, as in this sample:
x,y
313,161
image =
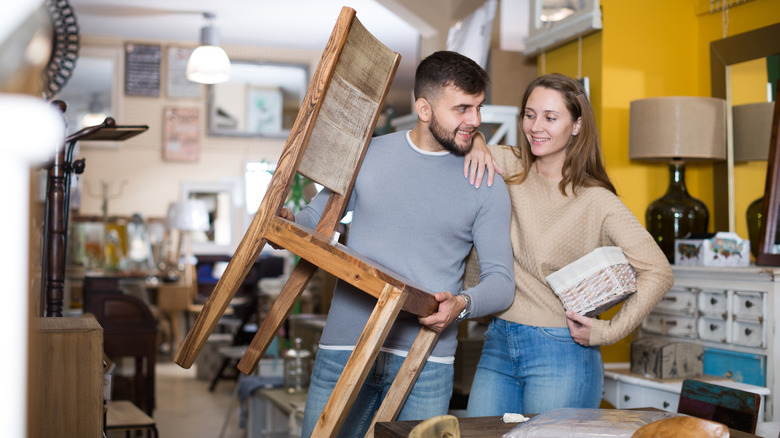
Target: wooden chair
x,y
735,408
327,144
129,330
137,288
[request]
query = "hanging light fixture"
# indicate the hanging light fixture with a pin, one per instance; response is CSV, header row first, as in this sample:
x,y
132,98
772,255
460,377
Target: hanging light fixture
x,y
208,64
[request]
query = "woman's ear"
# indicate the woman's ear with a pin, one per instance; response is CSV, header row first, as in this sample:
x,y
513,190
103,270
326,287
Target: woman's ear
x,y
423,108
577,125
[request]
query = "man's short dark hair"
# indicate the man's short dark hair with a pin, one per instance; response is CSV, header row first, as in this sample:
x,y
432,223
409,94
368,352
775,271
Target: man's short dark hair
x,y
444,68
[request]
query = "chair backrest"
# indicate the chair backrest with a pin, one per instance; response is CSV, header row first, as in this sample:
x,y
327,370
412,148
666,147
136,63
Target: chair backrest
x,y
129,330
735,408
350,108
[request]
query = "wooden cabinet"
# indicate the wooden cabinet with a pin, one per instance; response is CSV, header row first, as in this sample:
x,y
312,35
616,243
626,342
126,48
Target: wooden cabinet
x,y
733,313
66,378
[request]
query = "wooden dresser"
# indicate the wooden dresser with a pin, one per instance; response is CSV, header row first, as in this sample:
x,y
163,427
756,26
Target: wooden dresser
x,y
66,378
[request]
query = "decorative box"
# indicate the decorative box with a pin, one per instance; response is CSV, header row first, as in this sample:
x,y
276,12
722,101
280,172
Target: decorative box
x,y
665,359
719,249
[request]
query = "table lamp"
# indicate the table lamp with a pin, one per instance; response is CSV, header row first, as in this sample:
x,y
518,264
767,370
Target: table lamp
x,y
188,216
677,129
752,136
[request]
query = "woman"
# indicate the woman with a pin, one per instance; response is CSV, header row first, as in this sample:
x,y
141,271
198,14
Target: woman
x,y
537,356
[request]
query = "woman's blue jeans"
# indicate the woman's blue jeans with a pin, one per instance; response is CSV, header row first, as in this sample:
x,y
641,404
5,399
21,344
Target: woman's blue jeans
x,y
429,397
530,370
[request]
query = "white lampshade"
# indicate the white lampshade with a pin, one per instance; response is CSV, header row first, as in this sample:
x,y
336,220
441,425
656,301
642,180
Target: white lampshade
x,y
208,64
752,131
663,128
189,215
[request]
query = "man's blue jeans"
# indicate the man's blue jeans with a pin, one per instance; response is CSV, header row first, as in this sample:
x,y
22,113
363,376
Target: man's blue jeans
x,y
530,370
430,395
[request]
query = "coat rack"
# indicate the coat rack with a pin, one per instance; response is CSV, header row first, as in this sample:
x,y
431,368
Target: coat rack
x,y
57,207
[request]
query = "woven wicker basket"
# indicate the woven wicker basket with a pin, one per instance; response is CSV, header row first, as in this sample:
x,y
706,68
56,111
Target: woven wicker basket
x,y
595,282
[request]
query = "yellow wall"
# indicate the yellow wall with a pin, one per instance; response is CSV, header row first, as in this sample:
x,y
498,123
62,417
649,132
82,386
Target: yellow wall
x,y
650,49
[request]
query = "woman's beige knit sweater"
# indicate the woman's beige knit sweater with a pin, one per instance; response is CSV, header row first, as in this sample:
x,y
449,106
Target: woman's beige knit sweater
x,y
550,230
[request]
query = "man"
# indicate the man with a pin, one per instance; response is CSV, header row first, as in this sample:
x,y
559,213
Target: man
x,y
414,213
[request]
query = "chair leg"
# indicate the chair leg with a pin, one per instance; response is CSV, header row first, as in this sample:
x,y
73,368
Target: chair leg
x,y
379,323
291,291
407,375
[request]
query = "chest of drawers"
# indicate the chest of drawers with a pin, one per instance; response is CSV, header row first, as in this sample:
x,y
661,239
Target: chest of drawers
x,y
627,391
733,314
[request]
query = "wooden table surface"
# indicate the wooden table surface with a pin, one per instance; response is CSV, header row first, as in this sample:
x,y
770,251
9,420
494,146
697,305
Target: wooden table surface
x,y
469,428
477,427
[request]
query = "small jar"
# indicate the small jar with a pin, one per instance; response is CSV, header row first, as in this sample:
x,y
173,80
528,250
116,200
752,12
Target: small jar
x,y
297,367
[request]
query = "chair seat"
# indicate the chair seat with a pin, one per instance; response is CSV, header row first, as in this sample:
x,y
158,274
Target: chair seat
x,y
124,415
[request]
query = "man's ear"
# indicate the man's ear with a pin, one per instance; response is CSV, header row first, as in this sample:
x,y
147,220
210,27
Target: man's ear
x,y
423,108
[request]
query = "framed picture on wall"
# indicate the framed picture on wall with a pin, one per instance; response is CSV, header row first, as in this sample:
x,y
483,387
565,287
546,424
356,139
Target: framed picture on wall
x,y
181,140
178,85
264,110
142,69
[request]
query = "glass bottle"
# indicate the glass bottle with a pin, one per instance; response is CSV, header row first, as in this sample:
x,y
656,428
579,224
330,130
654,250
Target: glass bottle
x,y
297,367
675,214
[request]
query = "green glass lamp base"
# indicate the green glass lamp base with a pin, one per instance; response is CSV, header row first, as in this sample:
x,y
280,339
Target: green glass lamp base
x,y
676,214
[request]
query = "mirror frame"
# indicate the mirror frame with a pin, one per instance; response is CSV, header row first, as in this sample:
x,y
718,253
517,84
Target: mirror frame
x,y
116,56
768,234
758,43
209,248
213,130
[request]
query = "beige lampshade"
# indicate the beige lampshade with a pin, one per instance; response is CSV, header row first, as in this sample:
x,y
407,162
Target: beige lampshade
x,y
752,131
692,128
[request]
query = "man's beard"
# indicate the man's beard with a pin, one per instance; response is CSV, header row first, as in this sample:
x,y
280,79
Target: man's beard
x,y
447,139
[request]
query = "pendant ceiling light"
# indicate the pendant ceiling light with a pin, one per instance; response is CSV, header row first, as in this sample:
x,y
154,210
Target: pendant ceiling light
x,y
208,64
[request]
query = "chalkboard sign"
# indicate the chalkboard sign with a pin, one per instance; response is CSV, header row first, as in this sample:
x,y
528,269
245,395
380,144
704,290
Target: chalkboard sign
x,y
142,69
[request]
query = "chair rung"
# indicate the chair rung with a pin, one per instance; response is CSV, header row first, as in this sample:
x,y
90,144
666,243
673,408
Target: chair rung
x,y
347,265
